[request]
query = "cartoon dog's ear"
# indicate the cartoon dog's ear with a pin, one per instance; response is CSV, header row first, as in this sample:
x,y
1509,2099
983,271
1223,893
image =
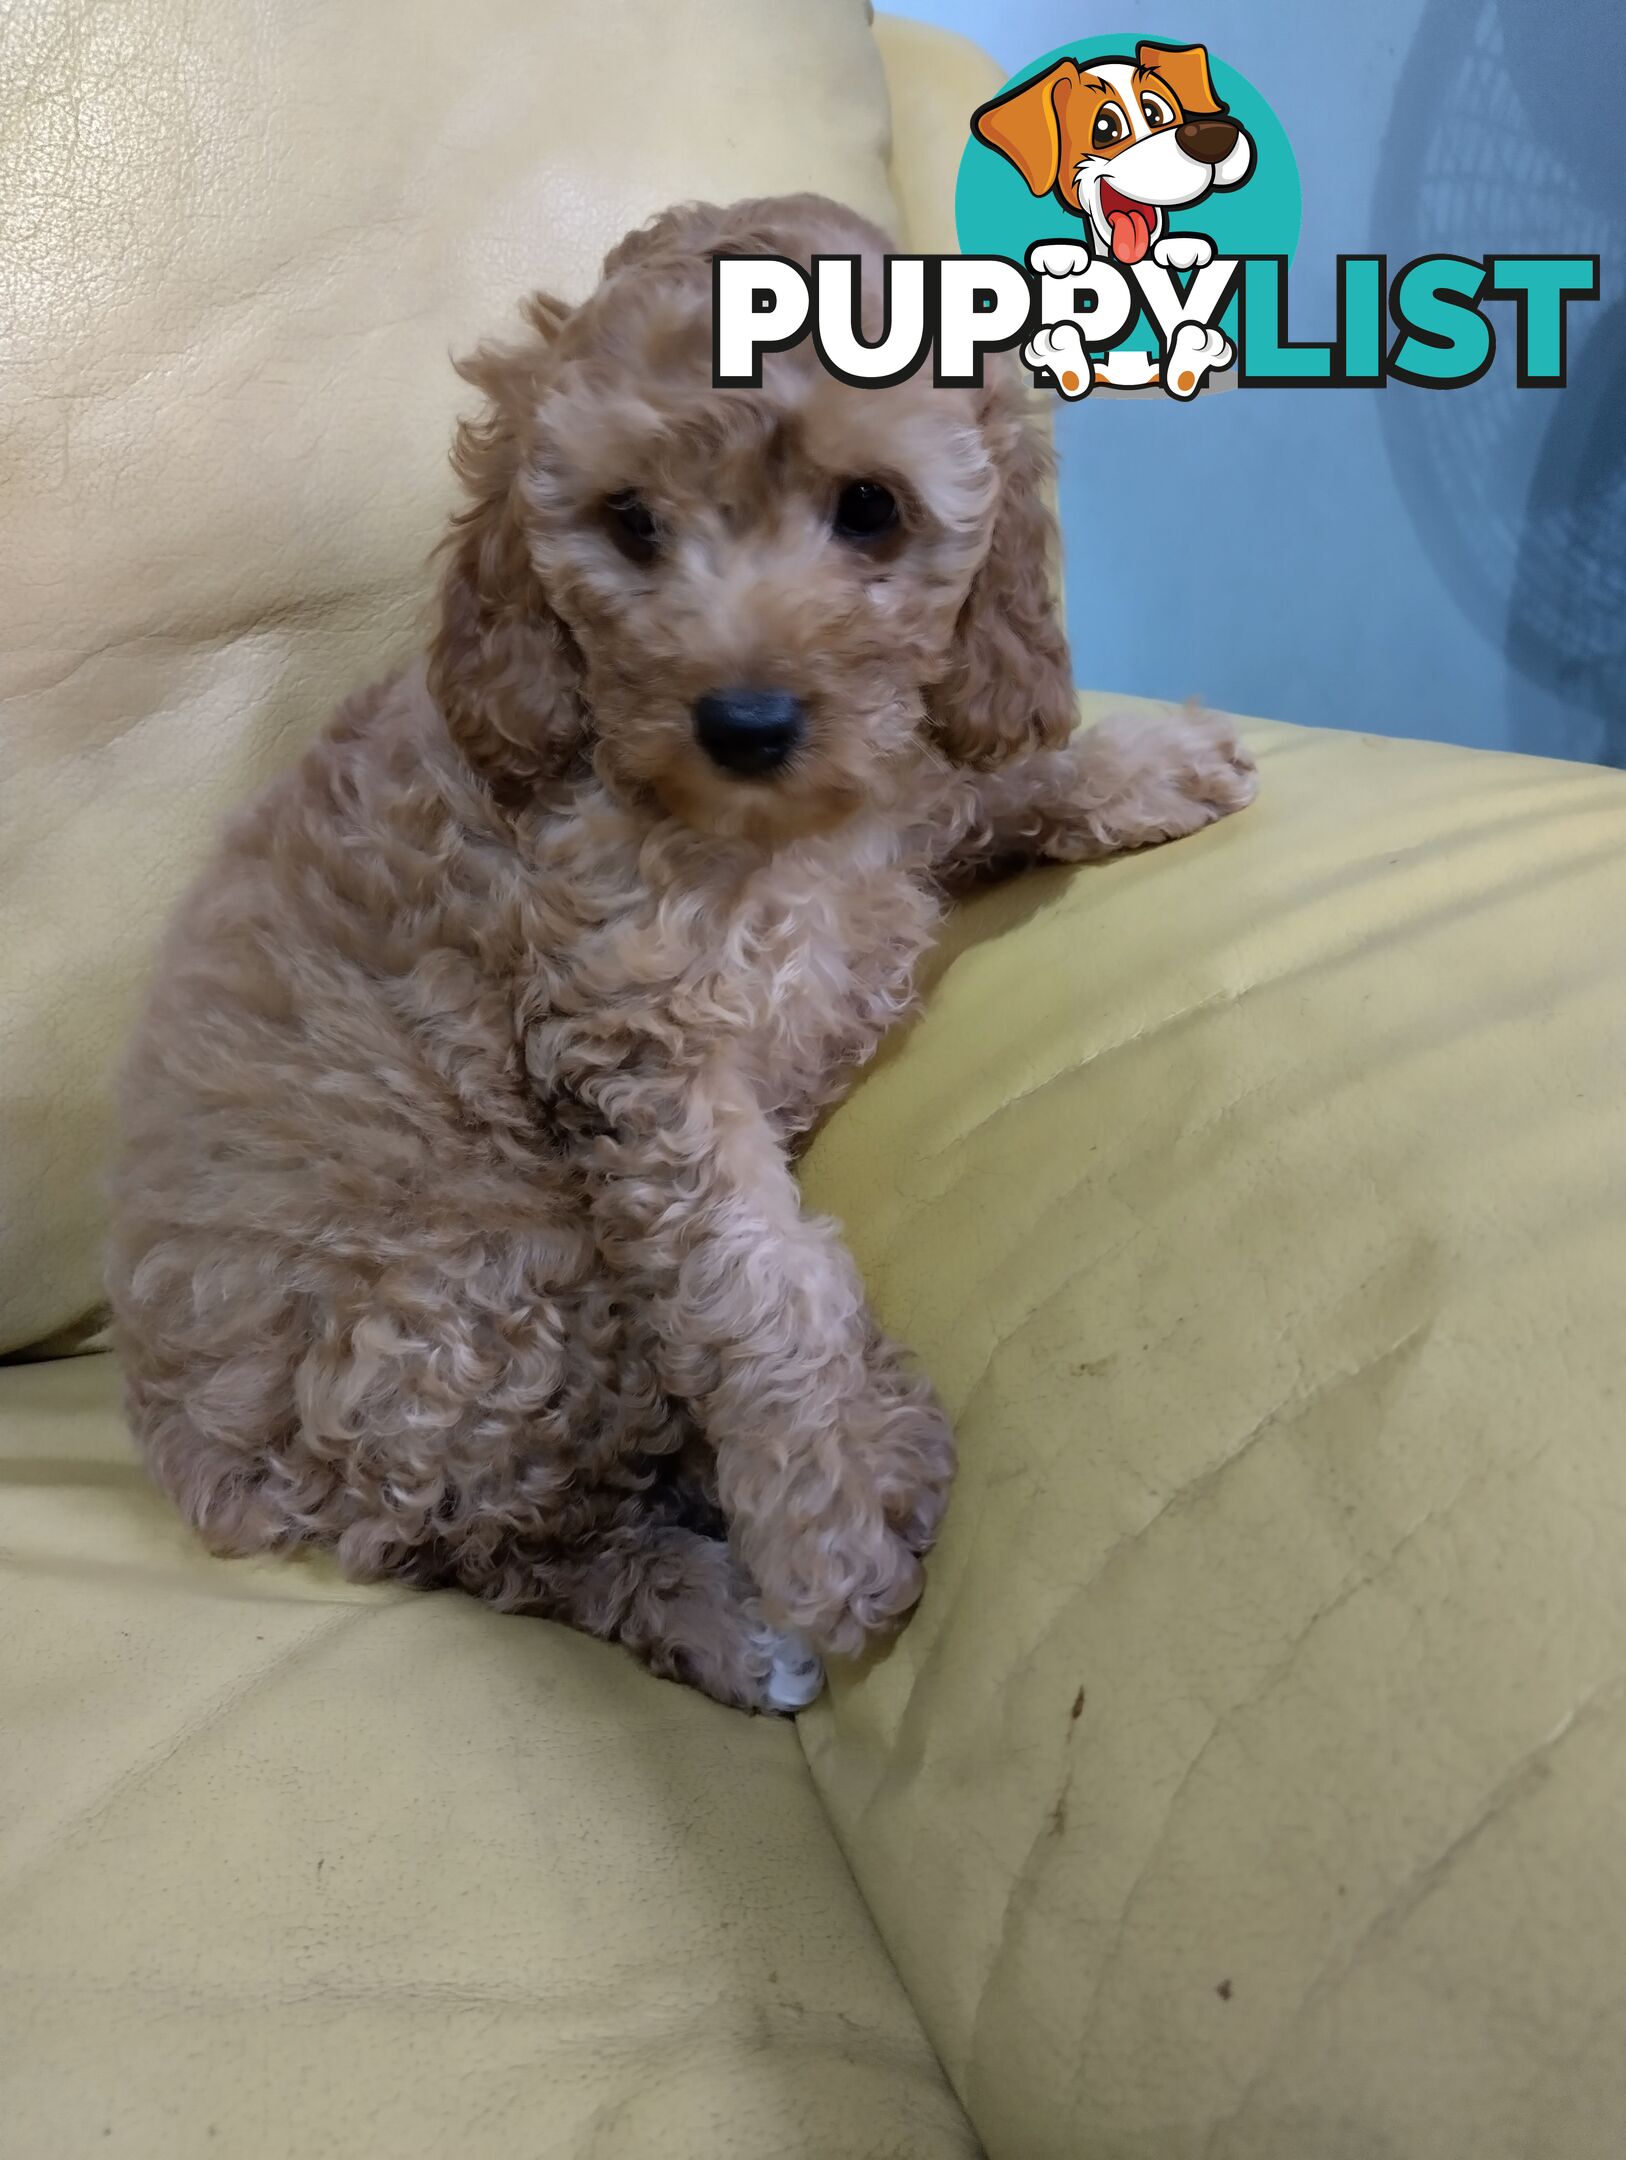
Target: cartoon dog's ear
x,y
1009,686
1185,69
1025,125
503,668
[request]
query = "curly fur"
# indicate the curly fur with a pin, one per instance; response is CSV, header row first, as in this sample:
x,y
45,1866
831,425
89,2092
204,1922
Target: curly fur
x,y
455,1229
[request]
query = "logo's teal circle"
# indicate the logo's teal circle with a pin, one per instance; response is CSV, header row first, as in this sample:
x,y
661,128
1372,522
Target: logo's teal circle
x,y
995,215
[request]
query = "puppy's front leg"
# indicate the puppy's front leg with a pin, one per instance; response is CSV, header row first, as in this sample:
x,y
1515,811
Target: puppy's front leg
x,y
833,1463
1125,784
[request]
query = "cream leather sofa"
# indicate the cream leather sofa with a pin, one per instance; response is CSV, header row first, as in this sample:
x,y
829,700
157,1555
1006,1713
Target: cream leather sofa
x,y
1252,1782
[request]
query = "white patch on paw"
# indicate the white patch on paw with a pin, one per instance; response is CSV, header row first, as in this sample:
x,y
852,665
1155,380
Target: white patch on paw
x,y
1058,258
795,1674
1059,352
1193,353
1184,251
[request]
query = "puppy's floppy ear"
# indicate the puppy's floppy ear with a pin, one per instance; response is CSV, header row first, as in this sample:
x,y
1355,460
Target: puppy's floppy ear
x,y
1009,686
1025,125
1184,68
503,668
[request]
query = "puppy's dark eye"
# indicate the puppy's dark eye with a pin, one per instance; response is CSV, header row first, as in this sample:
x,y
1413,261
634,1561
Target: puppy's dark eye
x,y
865,510
1109,127
633,526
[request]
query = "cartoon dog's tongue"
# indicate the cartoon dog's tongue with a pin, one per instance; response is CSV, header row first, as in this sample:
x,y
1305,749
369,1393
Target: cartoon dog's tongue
x,y
1131,223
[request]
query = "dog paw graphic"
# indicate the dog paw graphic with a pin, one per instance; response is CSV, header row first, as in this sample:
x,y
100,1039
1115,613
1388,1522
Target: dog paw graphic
x,y
1184,251
1058,258
1059,353
1194,352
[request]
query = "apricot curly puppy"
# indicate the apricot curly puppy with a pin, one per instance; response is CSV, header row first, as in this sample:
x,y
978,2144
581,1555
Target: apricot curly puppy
x,y
455,1228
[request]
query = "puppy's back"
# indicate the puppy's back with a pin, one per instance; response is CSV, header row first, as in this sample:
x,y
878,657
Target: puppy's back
x,y
323,1101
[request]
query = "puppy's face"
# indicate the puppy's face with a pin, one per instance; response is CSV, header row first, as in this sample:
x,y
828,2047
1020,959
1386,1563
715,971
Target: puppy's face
x,y
761,583
766,596
1124,160
1122,141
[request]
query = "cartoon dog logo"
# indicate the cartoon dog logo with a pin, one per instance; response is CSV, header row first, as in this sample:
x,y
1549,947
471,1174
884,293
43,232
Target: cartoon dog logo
x,y
1120,143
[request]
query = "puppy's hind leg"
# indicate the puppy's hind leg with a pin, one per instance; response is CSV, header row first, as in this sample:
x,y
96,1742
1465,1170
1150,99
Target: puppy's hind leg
x,y
680,1602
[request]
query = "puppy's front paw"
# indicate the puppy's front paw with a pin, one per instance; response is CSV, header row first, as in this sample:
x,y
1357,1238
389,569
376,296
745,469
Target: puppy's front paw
x,y
1184,251
1195,353
1059,353
835,1546
1144,781
909,1450
1058,258
841,1579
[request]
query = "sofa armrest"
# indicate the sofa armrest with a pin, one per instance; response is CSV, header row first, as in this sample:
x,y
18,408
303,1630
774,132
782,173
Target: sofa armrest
x,y
935,81
1248,1782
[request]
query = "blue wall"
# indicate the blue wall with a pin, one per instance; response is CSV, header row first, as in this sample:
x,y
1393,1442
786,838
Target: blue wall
x,y
1448,564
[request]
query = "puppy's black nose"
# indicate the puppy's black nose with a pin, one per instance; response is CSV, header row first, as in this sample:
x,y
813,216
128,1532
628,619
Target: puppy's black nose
x,y
1210,141
750,732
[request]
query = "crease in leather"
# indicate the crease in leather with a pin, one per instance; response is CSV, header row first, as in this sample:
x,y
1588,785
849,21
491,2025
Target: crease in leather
x,y
1312,968
1185,1497
966,1402
1150,1032
1521,1779
1223,1722
292,611
239,1583
66,1828
78,1338
906,1756
920,1709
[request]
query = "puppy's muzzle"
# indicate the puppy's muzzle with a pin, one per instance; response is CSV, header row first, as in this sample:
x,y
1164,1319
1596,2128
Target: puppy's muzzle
x,y
1209,141
749,732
